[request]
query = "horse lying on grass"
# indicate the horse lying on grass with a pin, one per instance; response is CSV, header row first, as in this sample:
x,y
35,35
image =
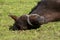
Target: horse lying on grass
x,y
45,11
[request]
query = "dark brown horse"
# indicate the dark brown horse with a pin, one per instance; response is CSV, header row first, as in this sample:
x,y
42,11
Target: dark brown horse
x,y
45,11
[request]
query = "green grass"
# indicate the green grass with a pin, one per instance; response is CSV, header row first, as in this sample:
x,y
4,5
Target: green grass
x,y
49,31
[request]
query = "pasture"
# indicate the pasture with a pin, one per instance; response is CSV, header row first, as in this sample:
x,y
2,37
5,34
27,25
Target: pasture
x,y
49,31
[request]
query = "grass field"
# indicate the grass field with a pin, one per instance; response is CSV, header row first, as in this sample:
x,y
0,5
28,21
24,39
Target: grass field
x,y
49,31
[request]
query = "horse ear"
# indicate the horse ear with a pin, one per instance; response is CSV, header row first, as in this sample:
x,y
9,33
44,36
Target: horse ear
x,y
13,17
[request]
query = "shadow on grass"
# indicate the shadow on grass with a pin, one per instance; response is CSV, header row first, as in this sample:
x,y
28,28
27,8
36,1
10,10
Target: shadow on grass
x,y
15,28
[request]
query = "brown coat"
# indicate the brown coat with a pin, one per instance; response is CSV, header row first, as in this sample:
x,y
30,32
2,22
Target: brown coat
x,y
45,11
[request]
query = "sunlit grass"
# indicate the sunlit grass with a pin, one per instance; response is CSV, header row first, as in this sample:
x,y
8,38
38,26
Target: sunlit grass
x,y
49,31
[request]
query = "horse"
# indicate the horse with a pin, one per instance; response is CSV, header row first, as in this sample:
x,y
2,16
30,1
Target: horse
x,y
45,11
